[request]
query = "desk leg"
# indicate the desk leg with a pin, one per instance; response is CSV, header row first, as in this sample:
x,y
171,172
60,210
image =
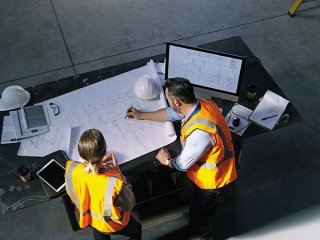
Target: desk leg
x,y
70,212
237,151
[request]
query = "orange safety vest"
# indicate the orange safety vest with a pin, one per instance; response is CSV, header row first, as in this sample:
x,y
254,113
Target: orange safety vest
x,y
94,196
216,167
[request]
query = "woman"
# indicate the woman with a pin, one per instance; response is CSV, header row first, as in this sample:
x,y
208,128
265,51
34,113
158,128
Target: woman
x,y
99,190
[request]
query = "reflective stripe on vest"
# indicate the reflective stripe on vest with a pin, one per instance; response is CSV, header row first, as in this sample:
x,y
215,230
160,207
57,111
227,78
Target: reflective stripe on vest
x,y
94,214
115,219
227,154
84,213
201,121
108,197
70,185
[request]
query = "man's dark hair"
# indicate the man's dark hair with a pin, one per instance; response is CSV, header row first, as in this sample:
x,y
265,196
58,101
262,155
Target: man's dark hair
x,y
181,89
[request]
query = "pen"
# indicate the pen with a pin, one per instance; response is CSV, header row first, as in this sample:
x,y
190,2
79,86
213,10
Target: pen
x,y
128,111
265,118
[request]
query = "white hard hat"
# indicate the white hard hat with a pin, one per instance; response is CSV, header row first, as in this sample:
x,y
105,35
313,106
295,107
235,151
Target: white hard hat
x,y
13,97
146,88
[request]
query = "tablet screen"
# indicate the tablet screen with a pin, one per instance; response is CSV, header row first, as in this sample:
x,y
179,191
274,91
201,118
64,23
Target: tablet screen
x,y
53,174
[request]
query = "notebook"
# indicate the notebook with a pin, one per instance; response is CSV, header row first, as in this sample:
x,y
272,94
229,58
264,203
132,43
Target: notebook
x,y
269,110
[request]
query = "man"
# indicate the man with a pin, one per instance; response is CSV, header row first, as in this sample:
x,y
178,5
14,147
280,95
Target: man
x,y
99,191
207,154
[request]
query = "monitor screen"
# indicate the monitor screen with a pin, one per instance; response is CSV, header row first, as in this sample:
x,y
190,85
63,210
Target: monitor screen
x,y
217,74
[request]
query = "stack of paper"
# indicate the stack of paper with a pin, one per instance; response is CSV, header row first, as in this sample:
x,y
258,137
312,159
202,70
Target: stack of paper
x,y
24,123
8,133
30,121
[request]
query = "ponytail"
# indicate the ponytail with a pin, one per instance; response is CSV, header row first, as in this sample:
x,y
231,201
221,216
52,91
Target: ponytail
x,y
91,167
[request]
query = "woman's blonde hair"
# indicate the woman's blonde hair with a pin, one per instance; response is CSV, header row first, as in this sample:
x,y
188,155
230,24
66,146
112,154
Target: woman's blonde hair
x,y
92,147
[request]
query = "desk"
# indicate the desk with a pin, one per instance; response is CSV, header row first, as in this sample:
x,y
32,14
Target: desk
x,y
254,72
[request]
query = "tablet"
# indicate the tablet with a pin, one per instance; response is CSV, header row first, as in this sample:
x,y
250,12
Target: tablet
x,y
53,174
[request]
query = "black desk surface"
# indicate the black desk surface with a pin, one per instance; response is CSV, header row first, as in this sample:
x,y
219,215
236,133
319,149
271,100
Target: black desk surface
x,y
254,72
15,193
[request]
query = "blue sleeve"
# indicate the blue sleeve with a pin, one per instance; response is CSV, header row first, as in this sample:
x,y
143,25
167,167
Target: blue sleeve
x,y
172,115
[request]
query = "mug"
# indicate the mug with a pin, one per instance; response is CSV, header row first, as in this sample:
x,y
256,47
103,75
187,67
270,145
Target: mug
x,y
251,92
24,173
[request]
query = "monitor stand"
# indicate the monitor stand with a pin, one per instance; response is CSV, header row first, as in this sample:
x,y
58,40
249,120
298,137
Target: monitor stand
x,y
208,94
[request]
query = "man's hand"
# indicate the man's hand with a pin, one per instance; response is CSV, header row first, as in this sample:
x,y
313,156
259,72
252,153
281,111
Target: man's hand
x,y
159,115
163,156
133,113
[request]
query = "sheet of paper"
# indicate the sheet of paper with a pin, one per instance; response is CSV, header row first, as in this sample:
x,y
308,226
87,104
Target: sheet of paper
x,y
8,132
163,102
243,114
269,110
56,139
160,68
103,106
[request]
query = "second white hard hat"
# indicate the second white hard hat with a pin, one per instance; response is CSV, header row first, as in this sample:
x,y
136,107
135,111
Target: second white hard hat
x,y
146,88
13,97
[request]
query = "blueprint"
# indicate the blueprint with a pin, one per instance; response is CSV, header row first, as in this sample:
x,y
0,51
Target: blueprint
x,y
103,106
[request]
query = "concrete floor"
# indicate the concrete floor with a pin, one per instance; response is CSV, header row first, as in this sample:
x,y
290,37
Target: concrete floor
x,y
278,196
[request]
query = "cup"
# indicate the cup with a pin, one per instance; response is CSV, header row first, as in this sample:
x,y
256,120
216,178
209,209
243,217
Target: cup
x,y
24,173
251,92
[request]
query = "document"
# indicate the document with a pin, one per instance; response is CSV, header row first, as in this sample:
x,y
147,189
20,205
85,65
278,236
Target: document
x,y
8,132
269,110
58,138
243,114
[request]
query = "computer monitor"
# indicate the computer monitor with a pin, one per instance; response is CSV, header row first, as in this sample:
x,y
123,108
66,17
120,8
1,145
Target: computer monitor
x,y
212,73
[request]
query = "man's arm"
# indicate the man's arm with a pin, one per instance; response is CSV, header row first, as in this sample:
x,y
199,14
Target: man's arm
x,y
159,115
197,144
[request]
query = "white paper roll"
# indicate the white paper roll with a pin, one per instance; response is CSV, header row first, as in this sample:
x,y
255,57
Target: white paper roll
x,y
153,73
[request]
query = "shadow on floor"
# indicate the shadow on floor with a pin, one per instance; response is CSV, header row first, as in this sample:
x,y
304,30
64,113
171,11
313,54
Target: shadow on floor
x,y
244,214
